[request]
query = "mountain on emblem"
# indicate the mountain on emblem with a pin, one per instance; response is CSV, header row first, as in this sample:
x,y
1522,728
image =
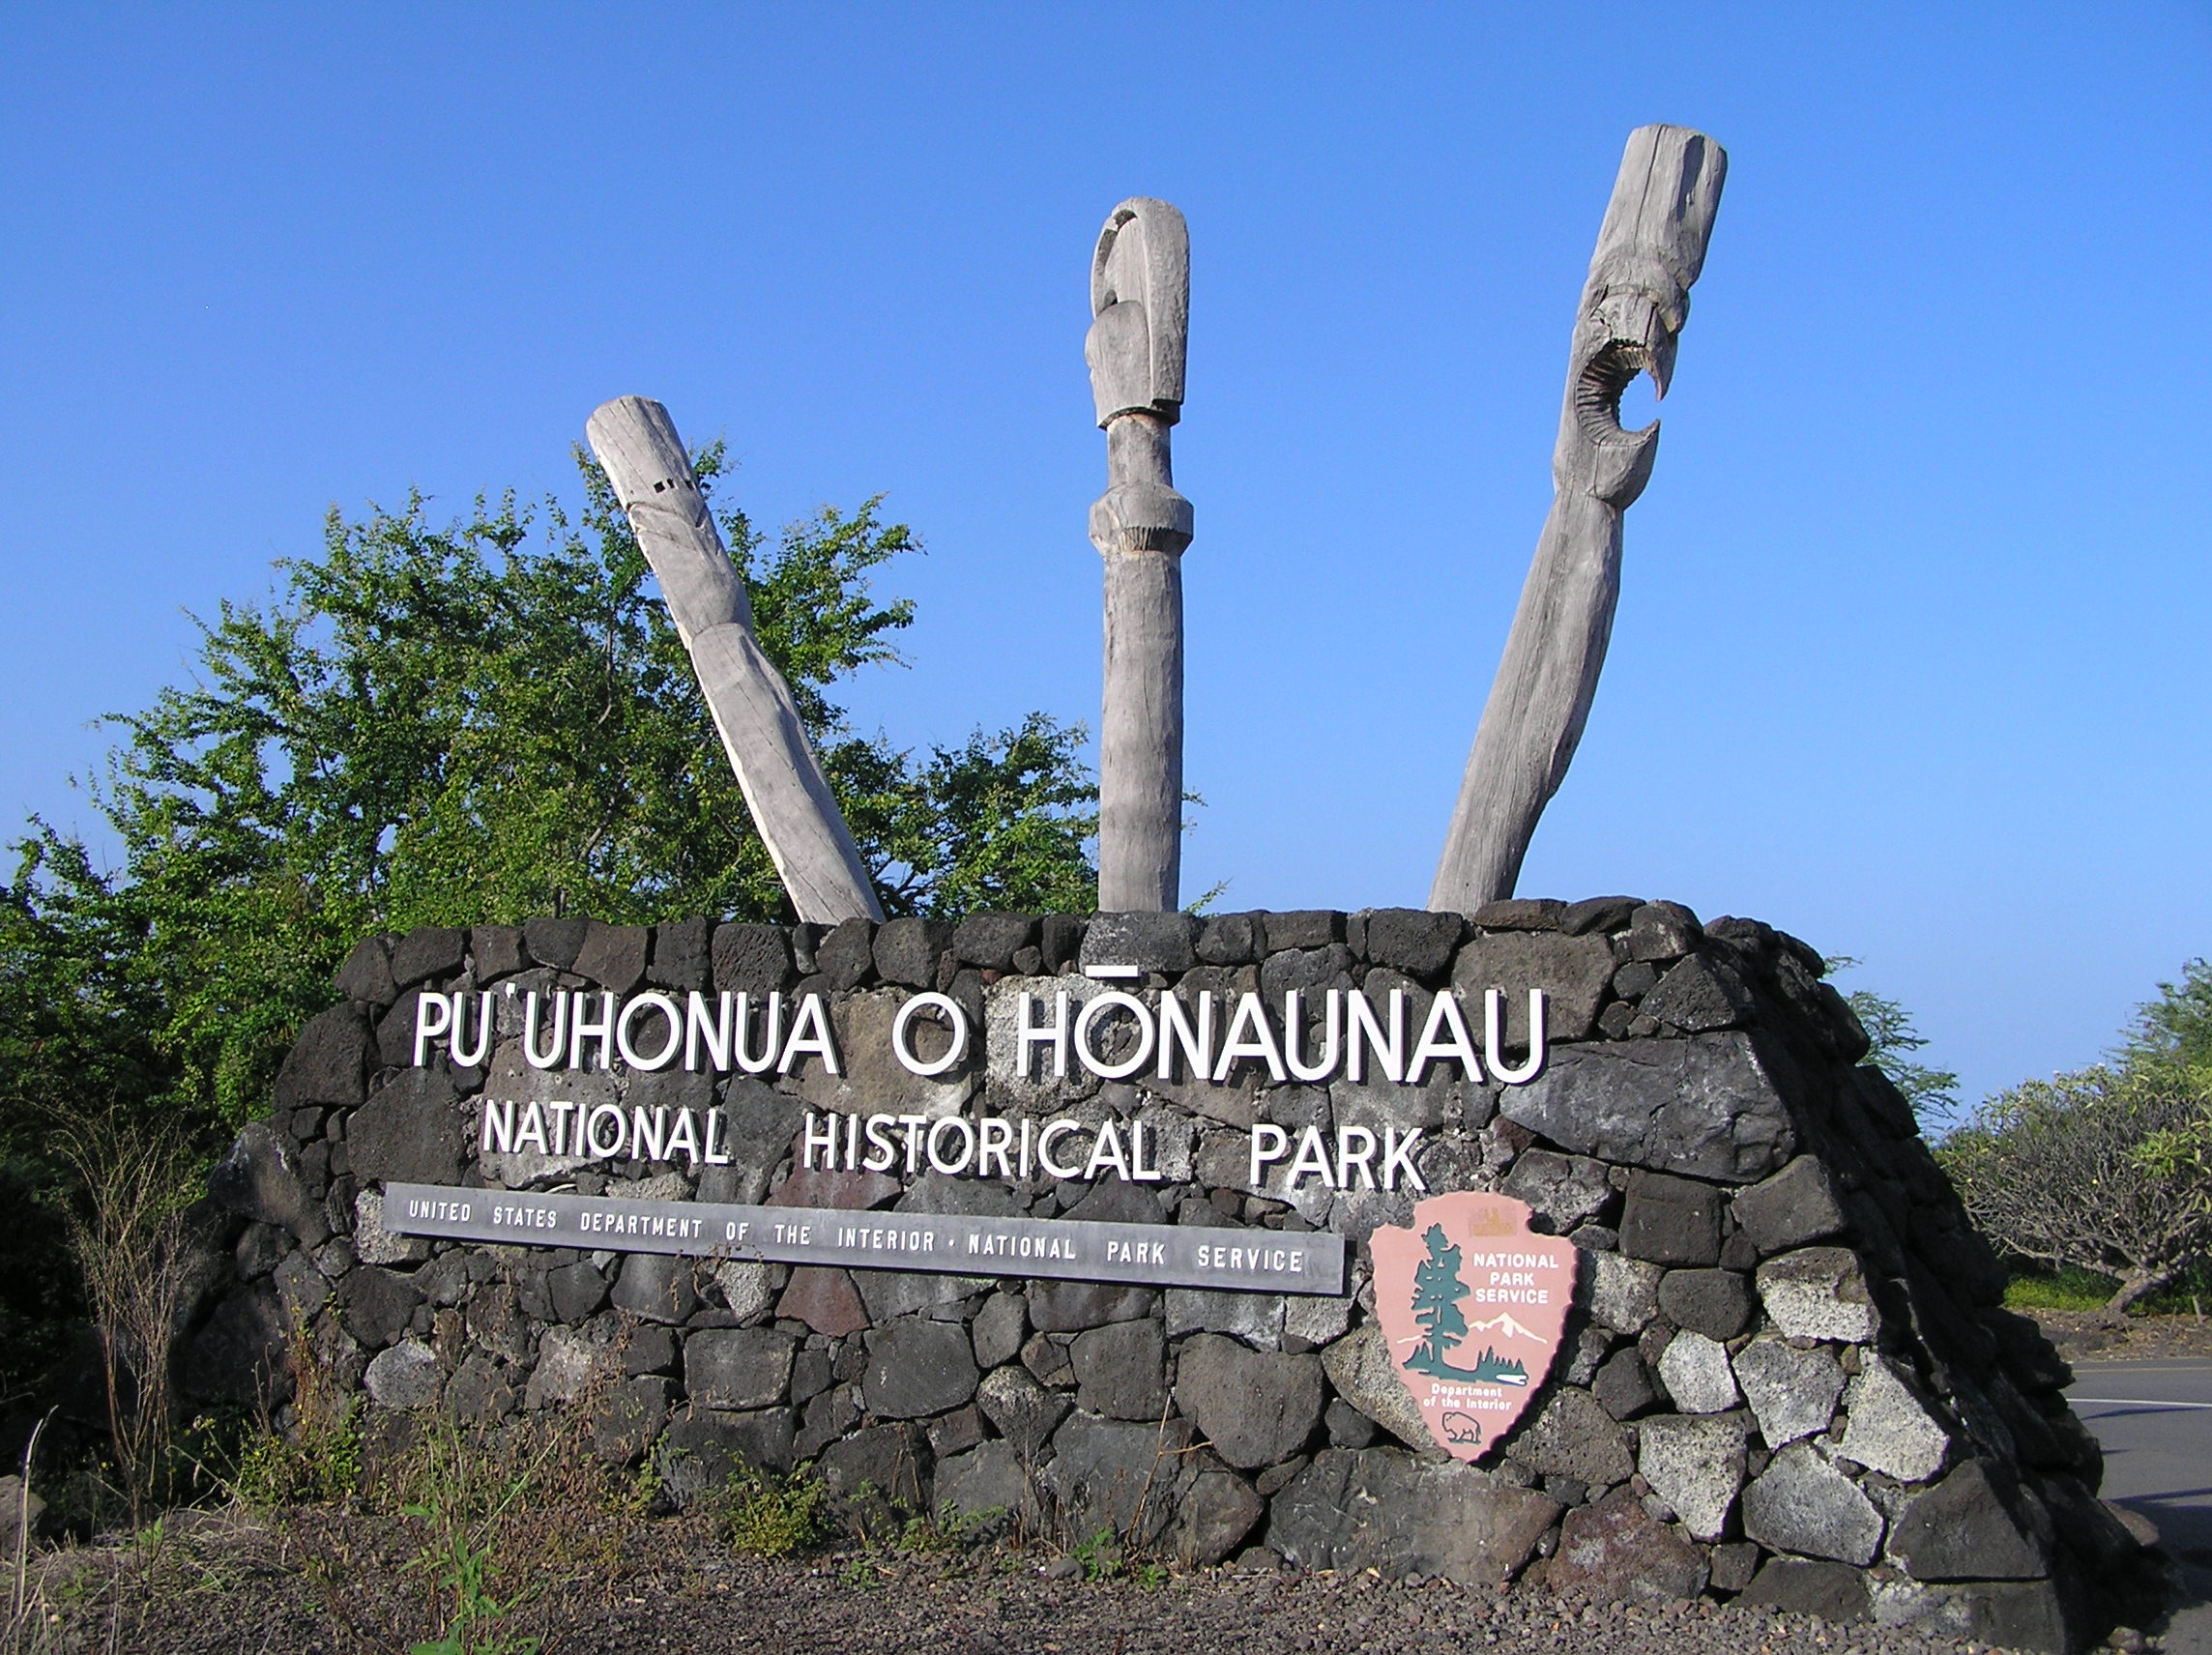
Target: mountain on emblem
x,y
1471,1251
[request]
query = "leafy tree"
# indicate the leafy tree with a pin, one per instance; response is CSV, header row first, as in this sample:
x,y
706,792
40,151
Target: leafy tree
x,y
481,721
2176,1028
2098,1171
1932,1093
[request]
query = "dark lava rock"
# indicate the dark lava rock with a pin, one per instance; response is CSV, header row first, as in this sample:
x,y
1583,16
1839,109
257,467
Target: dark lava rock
x,y
1796,1206
846,956
367,973
376,1305
1411,939
1964,1528
1671,1220
328,1063
1836,1593
907,950
1616,1551
657,1287
429,952
751,959
736,1367
1120,1370
1149,941
1701,994
681,959
1256,1406
1716,1303
409,1132
1707,1106
918,1368
613,956
989,941
554,942
1381,1509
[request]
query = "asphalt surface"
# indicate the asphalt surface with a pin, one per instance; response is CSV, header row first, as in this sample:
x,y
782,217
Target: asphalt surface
x,y
2155,1421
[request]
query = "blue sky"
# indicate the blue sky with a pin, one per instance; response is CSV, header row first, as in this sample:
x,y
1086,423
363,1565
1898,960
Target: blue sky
x,y
1910,654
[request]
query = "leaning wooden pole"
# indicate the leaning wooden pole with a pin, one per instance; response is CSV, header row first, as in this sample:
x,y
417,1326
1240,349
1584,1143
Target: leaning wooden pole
x,y
790,800
1140,304
1633,307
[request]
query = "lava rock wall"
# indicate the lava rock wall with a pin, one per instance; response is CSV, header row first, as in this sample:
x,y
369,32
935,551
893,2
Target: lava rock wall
x,y
1787,1376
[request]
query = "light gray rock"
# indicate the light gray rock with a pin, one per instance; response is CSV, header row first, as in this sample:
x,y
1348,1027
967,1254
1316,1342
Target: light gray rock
x,y
1819,1292
1375,1508
744,1286
1257,1319
1359,1366
407,1376
1792,1393
1317,1319
1696,1465
1623,1292
2005,1614
510,1076
1706,1107
1565,1190
1801,1503
1109,1473
1887,1428
1695,1372
373,1244
1120,1370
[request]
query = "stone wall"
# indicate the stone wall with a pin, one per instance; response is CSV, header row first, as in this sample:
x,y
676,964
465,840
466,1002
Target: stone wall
x,y
1787,1377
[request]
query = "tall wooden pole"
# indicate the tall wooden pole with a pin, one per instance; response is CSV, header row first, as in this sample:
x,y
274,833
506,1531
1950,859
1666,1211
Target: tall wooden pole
x,y
1651,250
1140,303
784,788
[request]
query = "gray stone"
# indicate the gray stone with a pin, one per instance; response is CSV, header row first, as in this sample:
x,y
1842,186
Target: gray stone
x,y
407,1376
984,1482
481,1391
750,959
1695,1372
1716,1303
907,950
1120,1370
1966,1528
1232,940
990,941
1565,1191
1792,1393
918,1368
329,1061
878,1476
1797,1206
762,1123
1696,1465
1887,1428
1801,1503
1599,914
1020,1410
377,1306
1361,1368
1616,1551
735,1368
613,956
410,1132
2008,1614
999,1328
748,1288
1070,1307
570,1365
628,1420
1573,972
681,960
578,1291
497,950
373,1244
1218,1511
1046,1359
1662,931
1301,928
554,942
1623,1292
1116,1475
1151,942
1701,994
1313,1319
429,952
889,1294
1257,1409
259,1177
1623,1385
238,1355
1819,1292
1573,1437
648,1351
1348,1427
847,957
1257,1319
1797,1585
657,1287
701,1451
1707,1106
1671,1220
1375,1508
1411,939
366,975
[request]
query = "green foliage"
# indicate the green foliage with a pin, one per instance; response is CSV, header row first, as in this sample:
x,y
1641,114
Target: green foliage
x,y
2176,1028
1100,1555
772,1516
1932,1093
2058,1171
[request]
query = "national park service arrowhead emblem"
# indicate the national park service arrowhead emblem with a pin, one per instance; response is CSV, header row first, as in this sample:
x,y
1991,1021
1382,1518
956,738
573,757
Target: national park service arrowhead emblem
x,y
1472,1303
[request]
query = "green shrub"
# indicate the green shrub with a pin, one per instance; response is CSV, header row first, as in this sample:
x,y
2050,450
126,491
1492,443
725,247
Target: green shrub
x,y
772,1516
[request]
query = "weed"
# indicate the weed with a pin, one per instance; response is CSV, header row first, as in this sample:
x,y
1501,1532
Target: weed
x,y
318,1461
1100,1555
772,1516
1151,1575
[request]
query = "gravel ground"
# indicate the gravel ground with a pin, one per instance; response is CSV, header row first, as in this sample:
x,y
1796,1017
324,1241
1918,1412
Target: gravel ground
x,y
2083,1335
313,1583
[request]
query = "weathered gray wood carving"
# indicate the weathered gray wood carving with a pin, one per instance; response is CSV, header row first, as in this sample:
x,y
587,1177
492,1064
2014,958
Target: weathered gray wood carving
x,y
784,788
1649,252
1140,303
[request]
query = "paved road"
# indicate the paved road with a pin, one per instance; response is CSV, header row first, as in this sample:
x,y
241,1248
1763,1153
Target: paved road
x,y
2155,1421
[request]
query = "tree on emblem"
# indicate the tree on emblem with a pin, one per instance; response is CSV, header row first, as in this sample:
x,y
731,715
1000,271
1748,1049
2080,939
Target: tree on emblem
x,y
1436,1293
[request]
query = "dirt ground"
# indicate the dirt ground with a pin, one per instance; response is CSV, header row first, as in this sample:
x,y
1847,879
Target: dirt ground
x,y
312,1583
2084,1336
